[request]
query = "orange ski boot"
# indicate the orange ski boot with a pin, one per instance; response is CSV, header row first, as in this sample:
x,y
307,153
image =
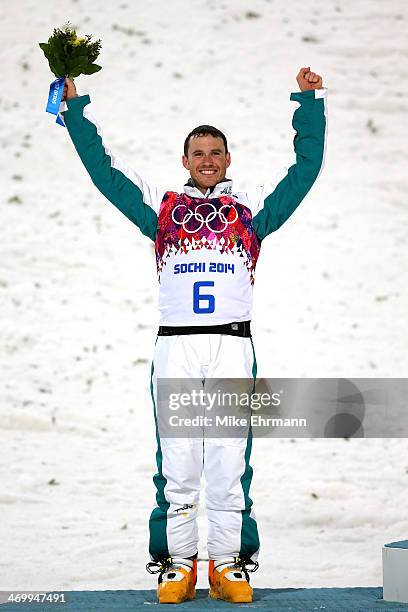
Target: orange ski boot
x,y
177,579
229,579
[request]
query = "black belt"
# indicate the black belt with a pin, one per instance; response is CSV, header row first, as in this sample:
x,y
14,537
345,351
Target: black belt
x,y
240,328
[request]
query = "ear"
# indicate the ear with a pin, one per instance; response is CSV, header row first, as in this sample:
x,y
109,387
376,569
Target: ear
x,y
184,160
228,158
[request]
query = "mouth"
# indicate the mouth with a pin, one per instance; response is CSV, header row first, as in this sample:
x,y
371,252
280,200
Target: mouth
x,y
207,172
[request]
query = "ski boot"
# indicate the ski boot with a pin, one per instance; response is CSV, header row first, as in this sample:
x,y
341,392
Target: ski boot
x,y
177,579
229,579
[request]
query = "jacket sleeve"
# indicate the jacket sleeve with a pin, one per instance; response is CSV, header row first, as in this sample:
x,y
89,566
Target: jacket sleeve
x,y
115,180
279,200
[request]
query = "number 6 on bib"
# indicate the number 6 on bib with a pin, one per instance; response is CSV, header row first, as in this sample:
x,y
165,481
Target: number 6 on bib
x,y
203,297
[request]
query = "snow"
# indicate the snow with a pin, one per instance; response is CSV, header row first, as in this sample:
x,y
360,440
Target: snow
x,y
78,290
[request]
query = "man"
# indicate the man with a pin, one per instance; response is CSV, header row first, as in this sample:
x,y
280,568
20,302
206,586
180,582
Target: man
x,y
207,241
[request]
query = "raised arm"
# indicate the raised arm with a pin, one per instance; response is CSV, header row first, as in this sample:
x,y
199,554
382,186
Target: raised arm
x,y
279,200
115,180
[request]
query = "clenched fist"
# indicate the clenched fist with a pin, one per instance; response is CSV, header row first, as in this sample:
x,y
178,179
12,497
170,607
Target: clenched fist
x,y
69,90
308,80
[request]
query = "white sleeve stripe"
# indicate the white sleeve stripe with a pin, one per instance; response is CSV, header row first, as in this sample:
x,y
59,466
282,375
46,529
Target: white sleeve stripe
x,y
151,195
325,132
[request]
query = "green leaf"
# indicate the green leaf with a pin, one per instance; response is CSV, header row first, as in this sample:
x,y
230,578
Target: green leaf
x,y
57,48
74,73
57,67
46,50
79,51
74,65
91,68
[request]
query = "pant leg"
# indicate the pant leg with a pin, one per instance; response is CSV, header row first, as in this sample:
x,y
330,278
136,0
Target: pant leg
x,y
173,521
232,527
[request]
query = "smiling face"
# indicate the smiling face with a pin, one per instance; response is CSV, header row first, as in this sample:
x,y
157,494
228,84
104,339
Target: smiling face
x,y
206,161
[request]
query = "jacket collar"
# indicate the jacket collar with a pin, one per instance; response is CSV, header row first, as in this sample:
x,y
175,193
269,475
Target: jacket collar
x,y
224,187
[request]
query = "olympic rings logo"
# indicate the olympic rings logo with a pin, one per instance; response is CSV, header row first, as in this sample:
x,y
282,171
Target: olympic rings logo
x,y
199,217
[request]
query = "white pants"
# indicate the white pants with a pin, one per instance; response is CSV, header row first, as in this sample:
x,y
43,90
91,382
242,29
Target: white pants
x,y
232,529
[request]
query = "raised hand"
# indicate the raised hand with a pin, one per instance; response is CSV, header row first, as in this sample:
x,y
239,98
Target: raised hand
x,y
69,89
308,80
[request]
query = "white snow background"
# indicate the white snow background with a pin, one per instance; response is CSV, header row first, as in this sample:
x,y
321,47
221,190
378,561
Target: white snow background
x,y
78,285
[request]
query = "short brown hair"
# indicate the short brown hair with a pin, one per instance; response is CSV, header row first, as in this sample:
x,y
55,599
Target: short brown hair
x,y
205,130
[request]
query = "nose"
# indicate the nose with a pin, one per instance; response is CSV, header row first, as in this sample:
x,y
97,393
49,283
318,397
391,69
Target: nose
x,y
208,159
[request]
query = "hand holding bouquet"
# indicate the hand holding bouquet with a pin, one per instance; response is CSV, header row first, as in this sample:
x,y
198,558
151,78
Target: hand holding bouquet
x,y
68,56
69,90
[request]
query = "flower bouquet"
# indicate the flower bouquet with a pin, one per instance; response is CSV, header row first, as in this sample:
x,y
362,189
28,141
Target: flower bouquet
x,y
69,56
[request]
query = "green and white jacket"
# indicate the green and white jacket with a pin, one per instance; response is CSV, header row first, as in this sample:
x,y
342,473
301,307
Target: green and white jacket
x,y
207,245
